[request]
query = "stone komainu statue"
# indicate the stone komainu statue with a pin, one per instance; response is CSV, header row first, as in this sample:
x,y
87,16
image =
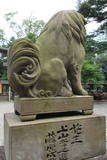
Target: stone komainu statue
x,y
52,65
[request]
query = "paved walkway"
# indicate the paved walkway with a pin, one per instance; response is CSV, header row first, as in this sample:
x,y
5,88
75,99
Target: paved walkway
x,y
6,107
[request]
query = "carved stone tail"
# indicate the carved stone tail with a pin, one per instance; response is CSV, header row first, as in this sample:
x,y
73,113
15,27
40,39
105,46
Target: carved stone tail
x,y
23,65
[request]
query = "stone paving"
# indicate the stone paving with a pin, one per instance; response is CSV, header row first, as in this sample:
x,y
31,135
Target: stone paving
x,y
100,107
5,107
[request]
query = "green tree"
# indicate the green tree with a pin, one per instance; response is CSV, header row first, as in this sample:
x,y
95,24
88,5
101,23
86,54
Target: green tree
x,y
30,28
3,40
102,61
91,74
95,10
96,61
95,48
3,72
96,45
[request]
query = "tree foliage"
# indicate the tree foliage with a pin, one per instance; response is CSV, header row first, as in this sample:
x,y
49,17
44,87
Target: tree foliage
x,y
3,72
95,48
96,44
91,73
102,61
3,40
95,66
95,9
30,27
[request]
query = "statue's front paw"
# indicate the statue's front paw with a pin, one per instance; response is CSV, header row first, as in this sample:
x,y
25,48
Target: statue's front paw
x,y
82,92
48,93
43,93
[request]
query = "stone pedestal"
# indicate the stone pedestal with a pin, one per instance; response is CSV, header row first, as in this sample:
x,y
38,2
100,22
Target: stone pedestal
x,y
64,138
29,108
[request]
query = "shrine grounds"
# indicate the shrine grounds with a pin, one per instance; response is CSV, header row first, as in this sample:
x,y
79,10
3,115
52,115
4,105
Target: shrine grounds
x,y
100,107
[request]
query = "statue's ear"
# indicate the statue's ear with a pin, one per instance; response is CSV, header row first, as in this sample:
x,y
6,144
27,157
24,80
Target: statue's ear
x,y
23,65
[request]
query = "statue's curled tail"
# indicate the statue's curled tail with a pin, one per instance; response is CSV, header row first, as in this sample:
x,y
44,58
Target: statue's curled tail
x,y
24,66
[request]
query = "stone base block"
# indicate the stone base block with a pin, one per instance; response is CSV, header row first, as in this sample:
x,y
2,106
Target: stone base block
x,y
64,138
29,108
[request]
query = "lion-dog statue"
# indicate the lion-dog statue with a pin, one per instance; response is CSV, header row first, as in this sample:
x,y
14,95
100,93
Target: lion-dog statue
x,y
52,65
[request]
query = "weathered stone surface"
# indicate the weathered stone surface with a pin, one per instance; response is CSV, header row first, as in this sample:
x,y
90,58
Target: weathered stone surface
x,y
28,108
52,65
75,138
101,157
2,155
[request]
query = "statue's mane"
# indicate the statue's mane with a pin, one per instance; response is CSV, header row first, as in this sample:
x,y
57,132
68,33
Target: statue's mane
x,y
71,23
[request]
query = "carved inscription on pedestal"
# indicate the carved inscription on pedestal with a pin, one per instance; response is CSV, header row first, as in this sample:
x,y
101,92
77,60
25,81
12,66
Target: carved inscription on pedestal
x,y
59,142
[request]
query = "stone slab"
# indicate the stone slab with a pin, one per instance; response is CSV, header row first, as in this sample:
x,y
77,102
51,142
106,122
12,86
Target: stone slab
x,y
2,155
64,138
29,107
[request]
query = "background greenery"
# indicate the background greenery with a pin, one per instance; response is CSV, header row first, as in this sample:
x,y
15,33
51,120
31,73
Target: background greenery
x,y
29,28
95,66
